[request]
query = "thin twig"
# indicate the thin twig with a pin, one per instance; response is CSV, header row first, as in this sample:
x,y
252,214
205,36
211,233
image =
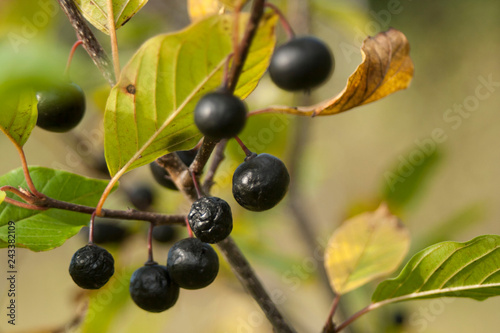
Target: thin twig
x,y
130,214
216,161
355,316
249,280
329,325
90,43
22,204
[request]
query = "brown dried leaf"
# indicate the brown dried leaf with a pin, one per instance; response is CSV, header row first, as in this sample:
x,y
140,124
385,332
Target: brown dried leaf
x,y
385,69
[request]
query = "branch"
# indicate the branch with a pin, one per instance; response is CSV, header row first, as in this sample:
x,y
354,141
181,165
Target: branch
x,y
217,160
131,214
90,43
249,280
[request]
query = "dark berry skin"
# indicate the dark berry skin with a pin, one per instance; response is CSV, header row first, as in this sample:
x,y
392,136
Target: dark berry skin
x,y
220,115
108,232
260,182
152,289
61,107
192,264
161,175
164,233
91,267
141,196
211,219
301,64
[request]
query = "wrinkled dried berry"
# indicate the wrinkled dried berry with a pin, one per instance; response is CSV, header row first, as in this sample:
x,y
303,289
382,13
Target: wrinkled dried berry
x,y
211,219
152,289
91,267
192,264
260,182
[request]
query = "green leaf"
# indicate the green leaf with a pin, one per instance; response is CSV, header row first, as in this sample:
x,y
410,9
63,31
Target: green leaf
x,y
45,230
18,114
96,11
447,269
364,248
149,111
406,181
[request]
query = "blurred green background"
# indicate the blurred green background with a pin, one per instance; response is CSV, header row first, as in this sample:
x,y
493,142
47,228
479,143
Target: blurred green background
x,y
346,167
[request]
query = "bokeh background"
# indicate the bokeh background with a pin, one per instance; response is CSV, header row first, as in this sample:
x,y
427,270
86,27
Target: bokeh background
x,y
341,166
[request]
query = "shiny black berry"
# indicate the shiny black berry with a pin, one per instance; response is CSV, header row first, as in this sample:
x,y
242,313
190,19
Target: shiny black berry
x,y
302,63
61,107
164,233
260,182
192,264
91,267
161,175
109,232
141,196
220,115
152,289
211,219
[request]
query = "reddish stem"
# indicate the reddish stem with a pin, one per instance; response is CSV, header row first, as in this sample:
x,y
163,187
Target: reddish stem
x,y
26,171
247,151
150,242
23,205
284,22
356,316
71,54
190,232
196,184
91,228
17,192
329,326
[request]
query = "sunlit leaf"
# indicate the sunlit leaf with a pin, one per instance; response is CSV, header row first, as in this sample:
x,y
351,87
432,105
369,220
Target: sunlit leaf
x,y
385,69
96,11
44,230
364,248
18,114
199,9
149,111
450,269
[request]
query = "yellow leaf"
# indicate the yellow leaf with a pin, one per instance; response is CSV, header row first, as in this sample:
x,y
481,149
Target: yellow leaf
x,y
385,69
199,9
365,247
2,196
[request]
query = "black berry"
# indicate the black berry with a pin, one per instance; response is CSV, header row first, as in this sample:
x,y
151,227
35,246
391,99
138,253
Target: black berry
x,y
164,233
161,175
211,219
91,267
220,115
192,264
260,182
109,232
141,196
152,289
301,64
61,107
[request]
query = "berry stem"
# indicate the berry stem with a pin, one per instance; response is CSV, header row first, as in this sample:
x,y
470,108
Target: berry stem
x,y
196,184
70,57
150,242
188,227
26,171
112,36
91,228
216,161
247,151
284,22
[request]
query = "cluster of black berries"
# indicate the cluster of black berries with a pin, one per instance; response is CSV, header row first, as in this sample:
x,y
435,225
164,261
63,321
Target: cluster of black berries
x,y
259,184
